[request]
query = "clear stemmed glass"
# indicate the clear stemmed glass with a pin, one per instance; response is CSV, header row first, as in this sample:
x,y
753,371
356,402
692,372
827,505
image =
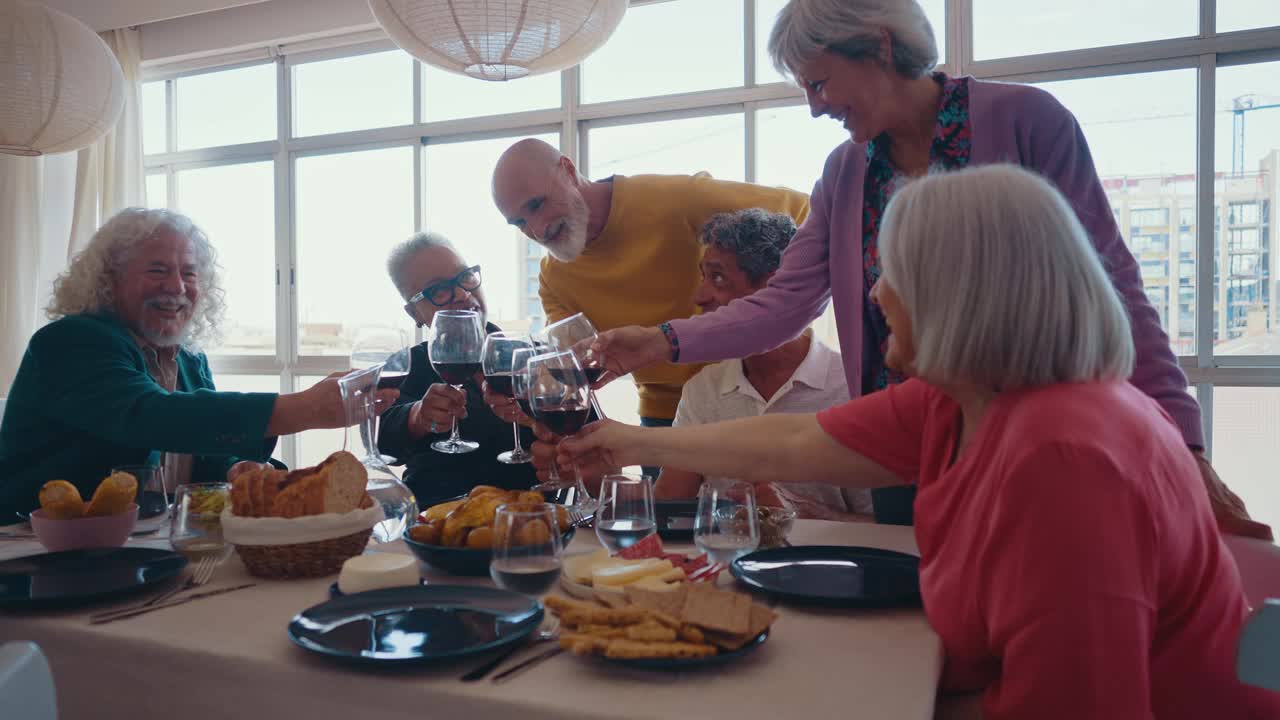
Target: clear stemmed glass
x,y
388,347
359,395
456,340
625,516
576,333
196,531
496,363
526,548
726,527
557,391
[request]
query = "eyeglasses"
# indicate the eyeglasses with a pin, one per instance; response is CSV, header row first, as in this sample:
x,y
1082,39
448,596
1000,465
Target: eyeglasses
x,y
446,291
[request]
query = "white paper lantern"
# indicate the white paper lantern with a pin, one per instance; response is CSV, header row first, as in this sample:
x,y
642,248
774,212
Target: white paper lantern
x,y
61,87
499,39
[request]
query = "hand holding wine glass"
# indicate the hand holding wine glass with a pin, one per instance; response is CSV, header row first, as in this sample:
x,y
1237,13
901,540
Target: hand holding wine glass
x,y
387,346
455,346
498,367
557,392
576,334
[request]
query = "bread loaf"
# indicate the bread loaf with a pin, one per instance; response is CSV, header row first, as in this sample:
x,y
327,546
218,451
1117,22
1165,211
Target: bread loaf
x,y
334,486
61,500
113,496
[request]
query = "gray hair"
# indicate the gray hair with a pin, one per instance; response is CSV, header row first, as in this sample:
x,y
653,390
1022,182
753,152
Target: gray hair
x,y
851,28
1001,283
402,253
87,287
755,236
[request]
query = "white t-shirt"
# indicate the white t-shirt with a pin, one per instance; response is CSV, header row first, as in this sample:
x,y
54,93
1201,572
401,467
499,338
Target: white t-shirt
x,y
722,392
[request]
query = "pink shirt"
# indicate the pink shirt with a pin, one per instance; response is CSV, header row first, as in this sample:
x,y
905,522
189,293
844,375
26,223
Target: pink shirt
x,y
1069,559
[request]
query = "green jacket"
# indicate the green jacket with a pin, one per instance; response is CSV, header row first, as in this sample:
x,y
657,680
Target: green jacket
x,y
83,403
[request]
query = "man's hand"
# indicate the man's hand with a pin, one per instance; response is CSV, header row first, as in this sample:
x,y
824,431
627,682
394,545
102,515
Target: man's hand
x,y
319,406
436,411
1228,508
601,446
507,409
627,349
544,452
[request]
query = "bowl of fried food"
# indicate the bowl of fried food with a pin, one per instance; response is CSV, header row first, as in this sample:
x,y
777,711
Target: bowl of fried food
x,y
66,522
456,537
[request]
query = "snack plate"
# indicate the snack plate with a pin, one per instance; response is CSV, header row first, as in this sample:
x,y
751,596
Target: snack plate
x,y
408,625
77,577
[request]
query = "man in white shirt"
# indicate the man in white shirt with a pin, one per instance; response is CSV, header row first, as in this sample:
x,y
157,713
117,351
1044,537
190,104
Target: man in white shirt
x,y
741,251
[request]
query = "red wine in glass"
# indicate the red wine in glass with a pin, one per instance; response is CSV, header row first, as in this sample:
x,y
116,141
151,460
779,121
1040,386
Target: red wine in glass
x,y
524,406
501,383
392,379
563,421
456,373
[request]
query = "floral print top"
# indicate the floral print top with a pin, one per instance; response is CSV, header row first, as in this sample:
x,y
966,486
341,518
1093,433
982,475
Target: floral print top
x,y
949,151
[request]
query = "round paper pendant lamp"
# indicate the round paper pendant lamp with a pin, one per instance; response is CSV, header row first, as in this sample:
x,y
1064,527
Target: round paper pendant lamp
x,y
61,87
499,39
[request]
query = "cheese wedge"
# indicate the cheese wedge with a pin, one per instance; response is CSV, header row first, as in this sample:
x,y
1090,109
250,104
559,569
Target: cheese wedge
x,y
578,568
629,571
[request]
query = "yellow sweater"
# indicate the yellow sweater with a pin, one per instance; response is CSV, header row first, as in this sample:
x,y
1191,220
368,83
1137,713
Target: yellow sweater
x,y
643,267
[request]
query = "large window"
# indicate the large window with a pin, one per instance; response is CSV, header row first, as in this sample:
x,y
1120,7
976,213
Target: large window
x,y
303,212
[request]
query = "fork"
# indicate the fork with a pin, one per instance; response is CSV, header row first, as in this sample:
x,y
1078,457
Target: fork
x,y
202,574
550,631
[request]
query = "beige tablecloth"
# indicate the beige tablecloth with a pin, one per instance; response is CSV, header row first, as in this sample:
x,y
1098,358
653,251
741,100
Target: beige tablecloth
x,y
229,657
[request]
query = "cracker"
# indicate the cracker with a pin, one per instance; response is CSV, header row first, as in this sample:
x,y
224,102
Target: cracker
x,y
634,649
611,599
760,619
601,616
690,633
579,644
559,604
604,631
669,602
714,609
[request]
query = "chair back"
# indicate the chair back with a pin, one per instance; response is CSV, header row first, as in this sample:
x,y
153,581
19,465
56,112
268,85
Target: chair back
x,y
1259,563
1258,656
26,683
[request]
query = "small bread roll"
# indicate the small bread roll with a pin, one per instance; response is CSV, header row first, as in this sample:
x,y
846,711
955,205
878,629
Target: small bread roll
x,y
113,496
61,500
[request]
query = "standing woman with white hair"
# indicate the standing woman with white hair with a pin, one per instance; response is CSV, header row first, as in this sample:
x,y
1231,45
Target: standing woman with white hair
x,y
1069,560
869,65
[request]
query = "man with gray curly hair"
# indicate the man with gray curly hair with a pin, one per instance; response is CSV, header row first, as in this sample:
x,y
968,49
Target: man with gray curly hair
x,y
118,378
741,251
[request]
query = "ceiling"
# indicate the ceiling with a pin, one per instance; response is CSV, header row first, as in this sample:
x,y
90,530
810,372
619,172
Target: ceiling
x,y
110,14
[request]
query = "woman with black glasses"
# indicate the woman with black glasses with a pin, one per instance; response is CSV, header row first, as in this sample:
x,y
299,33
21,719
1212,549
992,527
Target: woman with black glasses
x,y
431,276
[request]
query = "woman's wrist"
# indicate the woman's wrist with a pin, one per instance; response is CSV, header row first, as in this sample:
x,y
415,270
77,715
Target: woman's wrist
x,y
673,341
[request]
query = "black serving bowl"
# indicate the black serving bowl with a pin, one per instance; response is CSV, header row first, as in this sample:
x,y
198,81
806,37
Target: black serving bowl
x,y
472,562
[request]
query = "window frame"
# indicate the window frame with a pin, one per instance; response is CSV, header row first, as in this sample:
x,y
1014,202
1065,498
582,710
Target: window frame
x,y
1205,52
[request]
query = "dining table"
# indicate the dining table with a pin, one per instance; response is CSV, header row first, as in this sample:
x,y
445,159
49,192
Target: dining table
x,y
229,656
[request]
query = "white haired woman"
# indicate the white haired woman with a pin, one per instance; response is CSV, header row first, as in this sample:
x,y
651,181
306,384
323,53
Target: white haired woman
x,y
118,378
1068,556
869,65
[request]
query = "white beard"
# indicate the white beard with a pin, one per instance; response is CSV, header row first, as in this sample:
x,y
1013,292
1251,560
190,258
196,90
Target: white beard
x,y
573,238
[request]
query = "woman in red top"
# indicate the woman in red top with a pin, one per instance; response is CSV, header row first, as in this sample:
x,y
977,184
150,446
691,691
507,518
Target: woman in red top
x,y
1069,559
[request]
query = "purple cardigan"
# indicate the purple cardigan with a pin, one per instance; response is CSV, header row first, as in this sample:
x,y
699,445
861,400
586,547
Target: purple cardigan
x,y
1009,123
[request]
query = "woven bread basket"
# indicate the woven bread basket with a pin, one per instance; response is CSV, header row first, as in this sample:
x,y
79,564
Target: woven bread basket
x,y
305,547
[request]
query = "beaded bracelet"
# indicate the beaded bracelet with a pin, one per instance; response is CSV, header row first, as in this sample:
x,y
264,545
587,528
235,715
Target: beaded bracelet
x,y
672,339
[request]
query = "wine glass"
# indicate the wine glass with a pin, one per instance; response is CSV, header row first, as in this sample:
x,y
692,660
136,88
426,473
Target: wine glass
x,y
152,497
576,333
557,391
457,338
359,395
526,548
497,364
625,516
388,347
726,527
196,531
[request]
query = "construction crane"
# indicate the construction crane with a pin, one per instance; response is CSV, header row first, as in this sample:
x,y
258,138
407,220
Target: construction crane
x,y
1239,106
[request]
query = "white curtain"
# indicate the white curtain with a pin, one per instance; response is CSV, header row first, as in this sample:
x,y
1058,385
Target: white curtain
x,y
51,205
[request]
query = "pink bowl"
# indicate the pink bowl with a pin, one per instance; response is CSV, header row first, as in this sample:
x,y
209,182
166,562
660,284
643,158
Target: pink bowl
x,y
87,532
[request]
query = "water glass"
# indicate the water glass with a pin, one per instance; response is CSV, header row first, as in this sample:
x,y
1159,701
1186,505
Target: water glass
x,y
625,514
726,527
196,530
526,548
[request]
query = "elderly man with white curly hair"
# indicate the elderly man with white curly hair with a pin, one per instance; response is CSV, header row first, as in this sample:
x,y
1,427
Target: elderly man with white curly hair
x,y
117,378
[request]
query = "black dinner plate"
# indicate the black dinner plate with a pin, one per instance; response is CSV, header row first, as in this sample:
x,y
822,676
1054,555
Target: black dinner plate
x,y
687,663
76,577
335,592
415,624
675,519
835,575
